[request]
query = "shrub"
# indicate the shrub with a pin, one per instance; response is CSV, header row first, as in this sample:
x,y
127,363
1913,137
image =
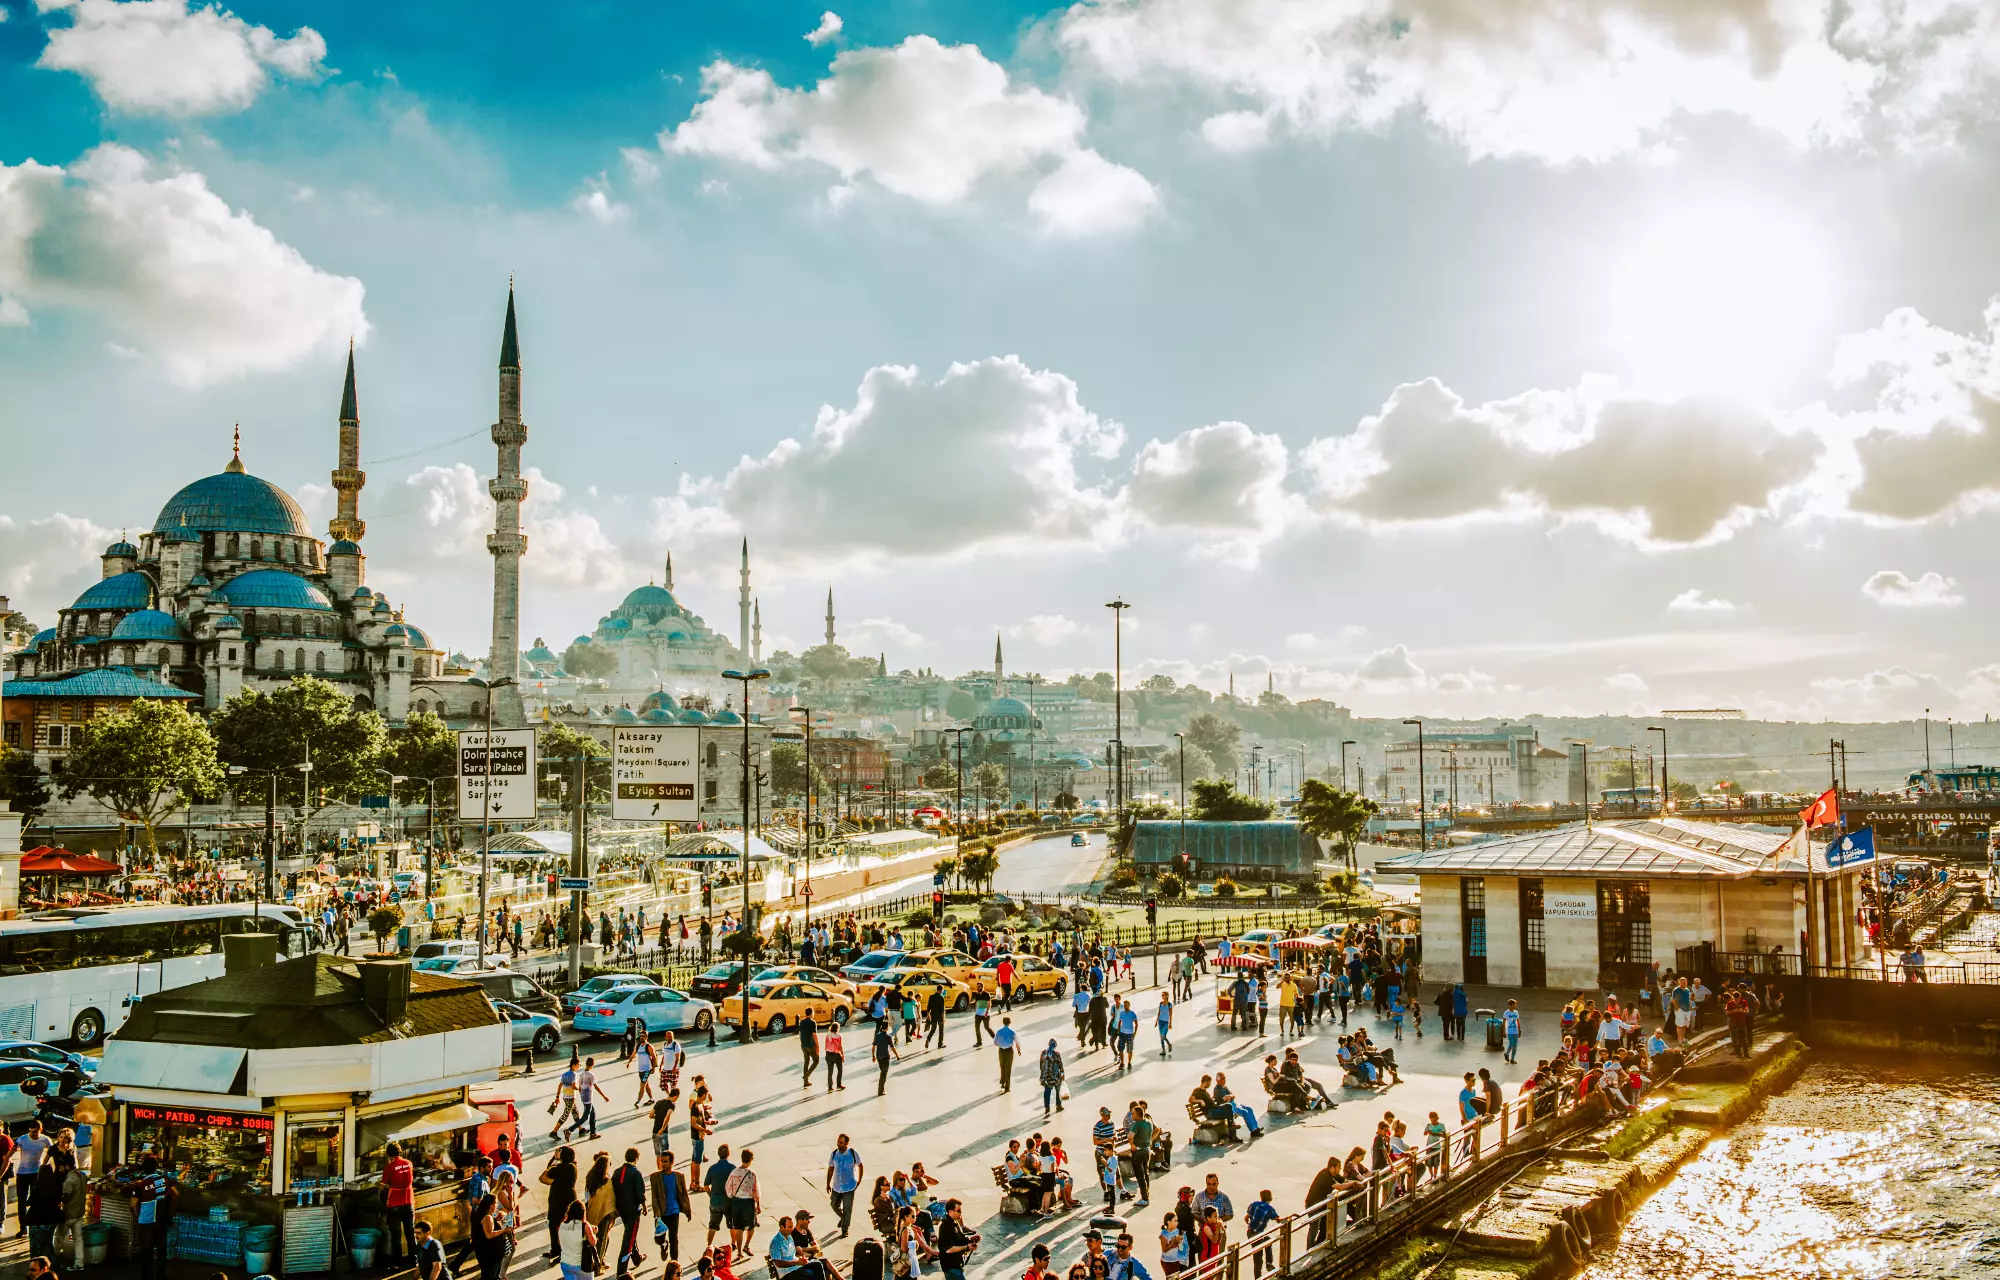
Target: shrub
x,y
1124,876
1170,886
1225,888
383,921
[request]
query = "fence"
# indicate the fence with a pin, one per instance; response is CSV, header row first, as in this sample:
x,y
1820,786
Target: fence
x,y
1369,1206
1747,964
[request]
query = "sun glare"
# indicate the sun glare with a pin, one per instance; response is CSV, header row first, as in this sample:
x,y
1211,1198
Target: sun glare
x,y
1721,296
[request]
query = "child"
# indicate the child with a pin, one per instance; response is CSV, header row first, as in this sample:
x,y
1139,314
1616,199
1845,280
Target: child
x,y
1396,1016
1107,1174
1416,1008
1434,1136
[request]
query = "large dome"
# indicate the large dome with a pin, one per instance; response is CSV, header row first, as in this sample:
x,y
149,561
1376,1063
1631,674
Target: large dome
x,y
271,589
132,590
651,598
234,502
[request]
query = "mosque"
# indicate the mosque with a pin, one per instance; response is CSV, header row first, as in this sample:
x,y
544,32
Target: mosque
x,y
661,644
230,590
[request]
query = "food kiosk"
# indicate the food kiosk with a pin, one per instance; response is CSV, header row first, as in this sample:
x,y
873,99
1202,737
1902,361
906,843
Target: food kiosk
x,y
1227,970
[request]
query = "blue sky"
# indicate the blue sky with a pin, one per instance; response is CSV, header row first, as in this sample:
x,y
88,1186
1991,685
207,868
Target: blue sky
x,y
1618,356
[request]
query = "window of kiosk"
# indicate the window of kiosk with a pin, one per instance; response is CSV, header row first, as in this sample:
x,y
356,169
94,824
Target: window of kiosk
x,y
206,1150
312,1150
439,1157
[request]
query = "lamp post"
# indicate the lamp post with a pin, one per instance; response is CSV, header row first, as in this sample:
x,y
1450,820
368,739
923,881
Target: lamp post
x,y
1255,747
394,780
958,793
1344,745
805,714
269,881
1664,789
430,830
1180,746
742,931
1118,608
1423,826
486,815
1034,763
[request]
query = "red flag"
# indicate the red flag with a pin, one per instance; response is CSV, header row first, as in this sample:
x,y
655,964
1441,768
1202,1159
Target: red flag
x,y
1823,812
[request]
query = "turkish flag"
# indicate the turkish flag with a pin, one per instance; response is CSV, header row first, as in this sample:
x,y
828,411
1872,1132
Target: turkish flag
x,y
1823,812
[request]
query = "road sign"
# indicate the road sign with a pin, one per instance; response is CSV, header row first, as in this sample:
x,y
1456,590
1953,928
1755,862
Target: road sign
x,y
512,771
1851,849
570,883
654,773
374,802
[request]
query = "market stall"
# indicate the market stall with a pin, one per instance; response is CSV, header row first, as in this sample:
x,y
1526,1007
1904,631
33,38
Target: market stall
x,y
1227,970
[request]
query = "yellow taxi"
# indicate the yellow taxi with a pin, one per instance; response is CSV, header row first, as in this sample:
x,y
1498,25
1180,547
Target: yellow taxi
x,y
805,973
778,1006
1033,976
956,965
919,983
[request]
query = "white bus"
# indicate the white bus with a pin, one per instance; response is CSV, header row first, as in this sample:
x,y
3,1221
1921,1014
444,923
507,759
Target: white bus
x,y
73,973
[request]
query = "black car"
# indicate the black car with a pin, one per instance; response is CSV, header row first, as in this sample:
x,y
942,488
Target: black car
x,y
517,988
718,983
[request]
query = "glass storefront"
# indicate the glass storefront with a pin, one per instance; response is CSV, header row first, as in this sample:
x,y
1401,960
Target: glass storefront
x,y
313,1148
441,1152
220,1150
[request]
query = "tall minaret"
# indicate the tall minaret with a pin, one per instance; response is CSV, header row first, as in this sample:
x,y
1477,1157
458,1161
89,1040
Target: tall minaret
x,y
348,477
757,630
508,544
669,583
999,671
743,602
829,615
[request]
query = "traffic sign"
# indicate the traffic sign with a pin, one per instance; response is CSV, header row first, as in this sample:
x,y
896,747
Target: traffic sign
x,y
374,802
570,883
654,773
506,758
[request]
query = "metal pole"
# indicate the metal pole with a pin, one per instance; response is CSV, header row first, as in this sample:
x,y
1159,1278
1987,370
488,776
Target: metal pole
x,y
579,866
270,831
486,827
1665,788
743,927
1423,825
807,821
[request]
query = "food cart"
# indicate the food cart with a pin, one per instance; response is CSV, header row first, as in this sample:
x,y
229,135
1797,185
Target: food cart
x,y
1306,952
1227,969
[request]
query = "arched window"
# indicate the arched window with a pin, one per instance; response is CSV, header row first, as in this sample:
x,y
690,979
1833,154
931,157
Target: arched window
x,y
299,659
319,661
235,547
422,706
256,548
277,659
714,755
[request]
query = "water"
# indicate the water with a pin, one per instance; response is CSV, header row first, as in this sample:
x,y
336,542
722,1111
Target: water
x,y
1864,1168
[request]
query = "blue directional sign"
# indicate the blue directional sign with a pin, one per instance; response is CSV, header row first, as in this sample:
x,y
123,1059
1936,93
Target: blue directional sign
x,y
573,883
1852,849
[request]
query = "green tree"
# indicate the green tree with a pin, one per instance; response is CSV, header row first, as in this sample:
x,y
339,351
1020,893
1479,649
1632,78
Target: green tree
x,y
308,719
989,780
788,771
1199,765
590,661
960,705
979,867
1219,739
946,866
1331,814
383,921
424,748
1065,800
941,776
146,761
1170,886
1682,793
24,787
1218,800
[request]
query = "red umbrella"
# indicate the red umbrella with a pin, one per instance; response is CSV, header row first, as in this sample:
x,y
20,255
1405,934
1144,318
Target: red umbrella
x,y
61,862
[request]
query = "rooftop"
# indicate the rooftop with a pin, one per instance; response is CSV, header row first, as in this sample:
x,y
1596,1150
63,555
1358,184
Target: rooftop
x,y
104,682
1643,848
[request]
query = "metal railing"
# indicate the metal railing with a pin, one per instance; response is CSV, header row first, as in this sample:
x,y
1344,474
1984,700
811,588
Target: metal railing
x,y
1973,973
1365,1208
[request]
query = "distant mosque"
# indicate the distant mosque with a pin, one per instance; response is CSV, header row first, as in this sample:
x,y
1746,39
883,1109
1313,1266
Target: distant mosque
x,y
663,646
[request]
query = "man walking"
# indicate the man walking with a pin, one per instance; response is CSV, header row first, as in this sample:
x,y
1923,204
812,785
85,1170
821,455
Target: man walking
x,y
1004,1041
885,1049
808,1045
934,1018
843,1178
1003,975
716,1183
628,1198
1139,1133
588,1091
1511,1021
1050,1073
981,1021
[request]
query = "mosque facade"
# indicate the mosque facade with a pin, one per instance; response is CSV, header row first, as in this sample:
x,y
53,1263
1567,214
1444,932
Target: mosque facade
x,y
662,645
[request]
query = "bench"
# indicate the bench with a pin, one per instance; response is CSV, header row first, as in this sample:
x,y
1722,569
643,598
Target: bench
x,y
1210,1132
1011,1202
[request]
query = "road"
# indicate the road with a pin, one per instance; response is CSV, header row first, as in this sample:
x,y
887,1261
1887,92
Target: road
x,y
1053,865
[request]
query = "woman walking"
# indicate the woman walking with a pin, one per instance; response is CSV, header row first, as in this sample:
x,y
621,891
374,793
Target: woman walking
x,y
560,1178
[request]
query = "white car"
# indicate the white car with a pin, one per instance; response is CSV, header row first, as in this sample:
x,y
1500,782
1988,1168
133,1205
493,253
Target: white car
x,y
661,1008
531,1030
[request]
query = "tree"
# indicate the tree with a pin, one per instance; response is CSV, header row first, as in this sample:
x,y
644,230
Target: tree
x,y
988,781
1327,812
960,705
1218,800
1198,765
1682,793
979,866
146,761
383,921
1170,886
590,661
24,787
946,866
1157,684
424,748
941,776
788,771
1065,800
557,746
1216,737
308,719
1271,699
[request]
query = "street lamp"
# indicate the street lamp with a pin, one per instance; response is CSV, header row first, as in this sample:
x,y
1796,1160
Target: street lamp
x,y
1345,744
745,678
805,714
394,780
1665,791
1180,745
958,791
486,812
270,881
1423,826
430,829
1118,608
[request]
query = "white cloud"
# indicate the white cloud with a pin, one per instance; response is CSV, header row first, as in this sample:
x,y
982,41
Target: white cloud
x,y
50,561
1626,682
197,286
924,120
1237,130
1695,600
597,204
829,27
984,457
642,164
1650,472
161,57
1302,642
1223,478
1930,444
1391,664
1045,629
1566,80
567,547
872,634
1892,692
1896,590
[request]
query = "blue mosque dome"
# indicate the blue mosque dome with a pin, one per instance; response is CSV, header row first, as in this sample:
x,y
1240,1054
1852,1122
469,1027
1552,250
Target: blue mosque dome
x,y
725,716
120,591
581,640
690,716
148,624
418,638
397,629
180,533
661,701
650,598
381,605
227,621
199,580
624,715
234,502
45,634
343,548
122,548
658,715
271,589
363,593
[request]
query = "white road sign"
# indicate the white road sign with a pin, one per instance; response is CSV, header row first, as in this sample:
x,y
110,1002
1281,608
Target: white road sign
x,y
512,772
654,773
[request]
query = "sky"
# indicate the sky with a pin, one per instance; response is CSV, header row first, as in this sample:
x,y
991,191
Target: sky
x,y
1619,355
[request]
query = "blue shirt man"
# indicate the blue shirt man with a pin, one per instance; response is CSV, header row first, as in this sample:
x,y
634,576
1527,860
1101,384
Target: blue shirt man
x,y
1005,1038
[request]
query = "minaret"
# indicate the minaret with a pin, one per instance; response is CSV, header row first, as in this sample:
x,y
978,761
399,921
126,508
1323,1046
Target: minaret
x,y
757,630
743,602
508,544
669,583
829,615
999,674
348,477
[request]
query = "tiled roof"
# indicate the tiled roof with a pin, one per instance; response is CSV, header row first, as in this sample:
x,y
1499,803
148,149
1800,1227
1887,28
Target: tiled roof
x,y
1641,848
234,501
105,682
314,1000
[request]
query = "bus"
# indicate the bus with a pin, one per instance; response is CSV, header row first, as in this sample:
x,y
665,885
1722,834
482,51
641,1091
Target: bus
x,y
74,973
1644,798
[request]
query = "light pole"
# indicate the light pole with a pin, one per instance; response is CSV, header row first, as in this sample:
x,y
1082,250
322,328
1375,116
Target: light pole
x,y
1180,745
1254,749
1034,763
805,714
1665,791
1423,826
743,928
1344,745
394,780
486,814
1118,608
958,793
269,881
430,830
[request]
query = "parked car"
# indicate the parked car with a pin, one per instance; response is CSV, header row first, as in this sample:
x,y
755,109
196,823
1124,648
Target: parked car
x,y
457,966
661,1008
719,982
46,1054
597,986
920,982
539,1031
777,1005
872,964
956,965
804,973
443,947
516,988
1033,976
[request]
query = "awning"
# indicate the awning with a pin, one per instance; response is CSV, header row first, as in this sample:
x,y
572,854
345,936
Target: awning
x,y
456,1116
61,862
1305,944
1239,962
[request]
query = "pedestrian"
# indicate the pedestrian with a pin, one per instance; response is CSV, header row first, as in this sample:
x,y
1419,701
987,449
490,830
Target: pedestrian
x,y
885,1050
1257,1219
1163,1019
588,1091
1460,1006
745,1201
1510,1021
934,1018
1050,1072
560,1179
716,1183
1139,1134
575,1240
836,1059
1004,1041
1443,1002
981,1023
398,1200
28,1151
808,1046
955,1241
844,1171
493,1223
671,1203
628,1190
643,1063
151,1212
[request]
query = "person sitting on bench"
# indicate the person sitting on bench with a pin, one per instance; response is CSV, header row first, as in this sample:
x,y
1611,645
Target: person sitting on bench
x,y
784,1257
1357,1071
1204,1109
1295,1071
1289,1092
1382,1059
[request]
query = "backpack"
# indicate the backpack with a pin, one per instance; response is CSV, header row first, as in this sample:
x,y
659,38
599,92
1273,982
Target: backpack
x,y
868,1260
